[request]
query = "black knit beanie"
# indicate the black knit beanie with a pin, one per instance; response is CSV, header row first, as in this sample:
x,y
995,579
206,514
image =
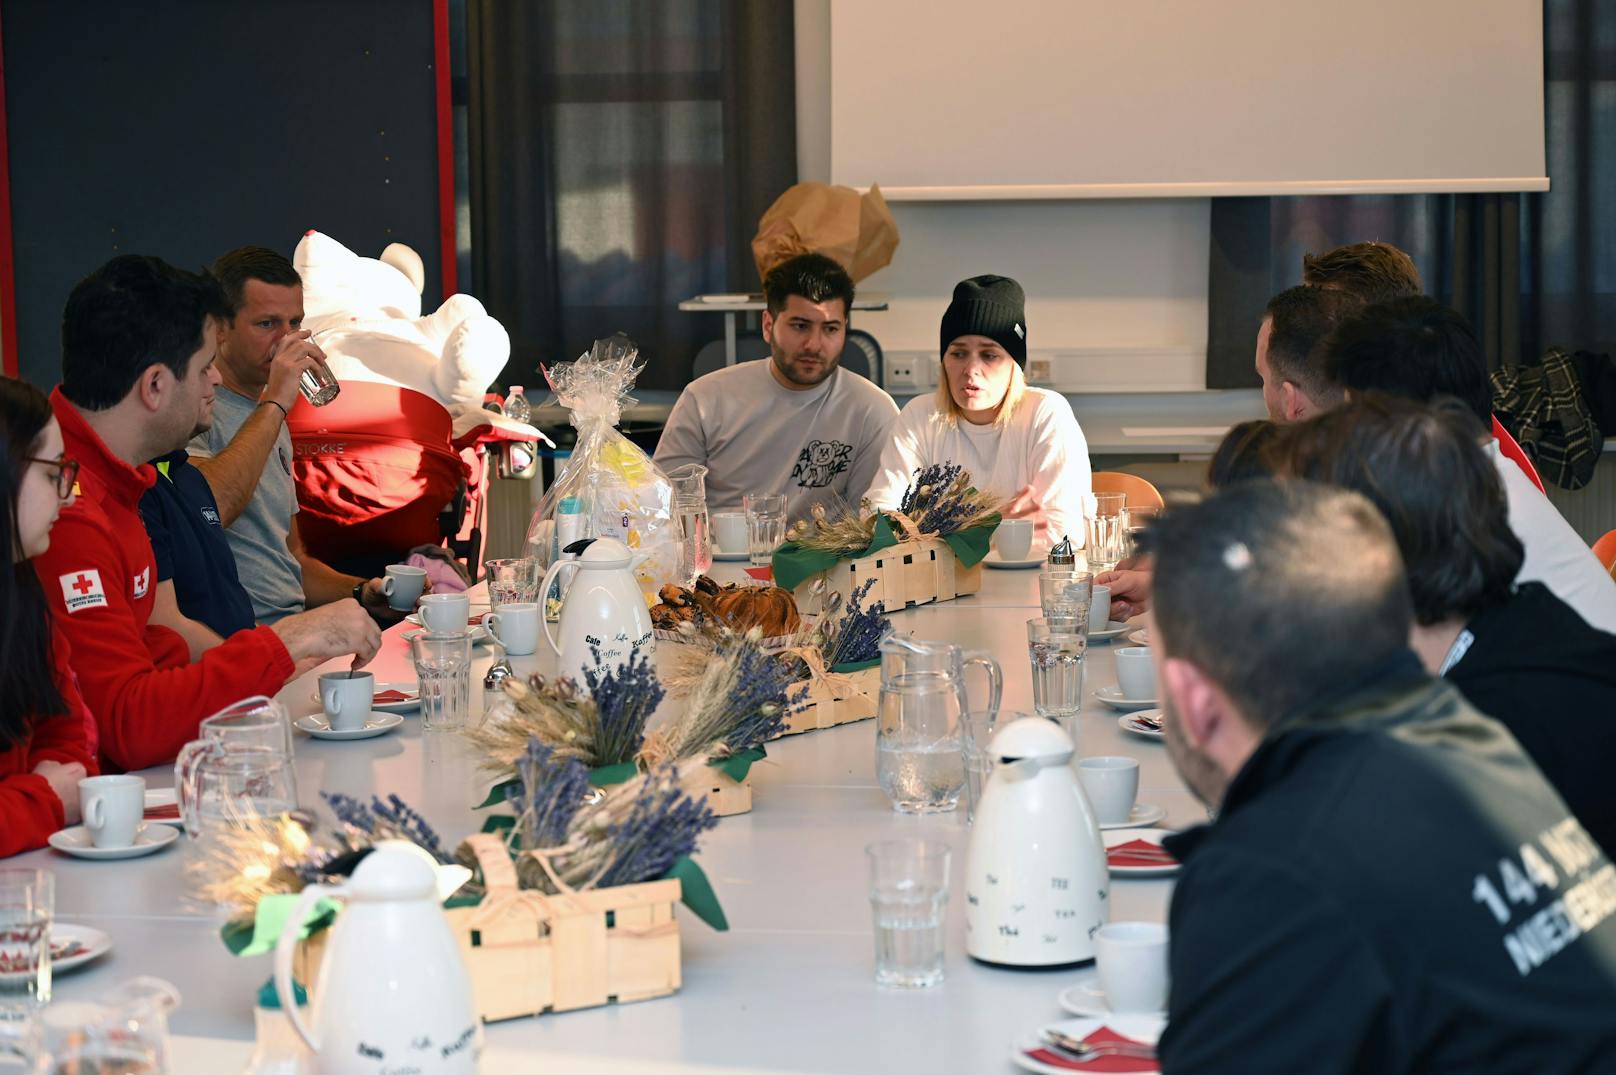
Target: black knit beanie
x,y
991,306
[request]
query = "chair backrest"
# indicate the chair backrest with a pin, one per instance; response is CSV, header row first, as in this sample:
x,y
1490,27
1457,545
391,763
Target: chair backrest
x,y
1512,449
1139,492
711,355
1605,551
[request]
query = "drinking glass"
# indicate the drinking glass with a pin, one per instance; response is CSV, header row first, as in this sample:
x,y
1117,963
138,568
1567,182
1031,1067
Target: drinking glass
x,y
690,510
443,667
27,898
1056,650
125,1032
1105,545
513,581
765,525
1135,521
1065,595
318,384
908,895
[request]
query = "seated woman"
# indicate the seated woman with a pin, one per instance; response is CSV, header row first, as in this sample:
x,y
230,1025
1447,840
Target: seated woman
x,y
1023,444
44,730
1517,652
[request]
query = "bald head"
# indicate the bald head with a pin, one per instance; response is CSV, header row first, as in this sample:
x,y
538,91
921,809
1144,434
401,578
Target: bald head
x,y
1280,593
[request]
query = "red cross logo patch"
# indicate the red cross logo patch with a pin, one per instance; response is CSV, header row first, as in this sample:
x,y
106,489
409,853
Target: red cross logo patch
x,y
82,590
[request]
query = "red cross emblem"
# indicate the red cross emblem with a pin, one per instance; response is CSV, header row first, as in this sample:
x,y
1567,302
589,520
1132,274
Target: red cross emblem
x,y
83,585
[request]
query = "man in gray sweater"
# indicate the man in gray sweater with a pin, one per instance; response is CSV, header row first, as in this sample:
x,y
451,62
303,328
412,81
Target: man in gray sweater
x,y
794,423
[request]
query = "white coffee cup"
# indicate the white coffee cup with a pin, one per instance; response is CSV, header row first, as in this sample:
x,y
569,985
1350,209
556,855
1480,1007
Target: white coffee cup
x,y
1014,539
729,531
1136,673
516,626
402,584
1112,785
113,808
1100,609
1132,960
346,698
445,613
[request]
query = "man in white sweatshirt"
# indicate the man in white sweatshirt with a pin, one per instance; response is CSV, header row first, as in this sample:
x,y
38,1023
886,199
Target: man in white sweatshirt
x,y
793,423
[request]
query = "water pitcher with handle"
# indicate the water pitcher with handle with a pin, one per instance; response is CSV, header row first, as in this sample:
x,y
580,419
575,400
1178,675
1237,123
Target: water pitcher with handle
x,y
917,736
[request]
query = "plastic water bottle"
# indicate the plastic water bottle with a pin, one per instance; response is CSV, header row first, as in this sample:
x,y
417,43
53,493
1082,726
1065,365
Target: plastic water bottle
x,y
517,406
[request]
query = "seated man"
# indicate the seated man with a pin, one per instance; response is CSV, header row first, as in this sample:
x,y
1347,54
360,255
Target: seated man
x,y
1290,358
138,344
1390,884
794,423
1372,271
1418,349
246,456
197,582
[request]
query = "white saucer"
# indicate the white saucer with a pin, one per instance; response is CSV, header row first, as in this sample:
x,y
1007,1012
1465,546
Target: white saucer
x,y
1112,696
1114,837
91,944
1130,723
76,841
1140,637
993,559
376,724
156,798
1087,999
1146,1028
1112,629
408,705
480,636
1144,814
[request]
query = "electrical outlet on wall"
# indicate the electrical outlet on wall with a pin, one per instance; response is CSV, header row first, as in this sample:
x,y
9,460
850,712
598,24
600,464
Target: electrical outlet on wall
x,y
906,371
1040,371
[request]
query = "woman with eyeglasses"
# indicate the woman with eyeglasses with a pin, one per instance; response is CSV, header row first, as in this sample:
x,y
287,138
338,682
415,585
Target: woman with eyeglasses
x,y
45,747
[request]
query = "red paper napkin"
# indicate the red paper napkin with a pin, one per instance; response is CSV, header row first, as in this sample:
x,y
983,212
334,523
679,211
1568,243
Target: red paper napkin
x,y
391,696
762,574
1099,1063
1138,853
171,812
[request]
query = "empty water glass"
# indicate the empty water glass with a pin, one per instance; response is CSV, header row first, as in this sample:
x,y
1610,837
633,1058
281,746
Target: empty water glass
x,y
1056,650
1065,595
908,897
27,899
1136,519
513,581
1106,539
765,525
443,668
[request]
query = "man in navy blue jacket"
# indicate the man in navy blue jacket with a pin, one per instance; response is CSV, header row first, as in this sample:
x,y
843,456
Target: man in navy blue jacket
x,y
1390,885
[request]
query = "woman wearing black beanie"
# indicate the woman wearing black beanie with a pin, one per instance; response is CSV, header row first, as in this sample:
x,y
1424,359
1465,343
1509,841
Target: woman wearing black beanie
x,y
1021,443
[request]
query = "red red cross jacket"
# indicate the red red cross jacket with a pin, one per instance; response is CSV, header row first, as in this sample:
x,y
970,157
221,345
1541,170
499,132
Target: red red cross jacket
x,y
99,574
29,809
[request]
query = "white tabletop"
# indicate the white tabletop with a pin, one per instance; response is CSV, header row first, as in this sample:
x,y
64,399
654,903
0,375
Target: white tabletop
x,y
788,988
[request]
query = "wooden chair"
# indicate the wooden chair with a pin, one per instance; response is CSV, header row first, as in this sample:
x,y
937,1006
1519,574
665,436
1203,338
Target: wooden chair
x,y
1605,551
1139,492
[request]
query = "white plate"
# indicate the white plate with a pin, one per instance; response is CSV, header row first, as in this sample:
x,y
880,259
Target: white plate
x,y
1115,837
1144,814
1140,637
157,798
76,841
1130,723
408,705
1112,696
479,636
93,944
1087,999
1112,630
376,724
1146,1028
993,559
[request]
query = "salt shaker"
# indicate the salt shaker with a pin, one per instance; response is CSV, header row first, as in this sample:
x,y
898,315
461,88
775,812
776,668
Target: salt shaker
x,y
494,683
1062,557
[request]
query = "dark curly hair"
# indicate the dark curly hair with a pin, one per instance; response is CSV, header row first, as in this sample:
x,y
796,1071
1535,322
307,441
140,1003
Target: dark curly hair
x,y
1425,468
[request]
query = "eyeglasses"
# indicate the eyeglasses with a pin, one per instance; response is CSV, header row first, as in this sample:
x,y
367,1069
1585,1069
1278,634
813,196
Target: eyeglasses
x,y
67,472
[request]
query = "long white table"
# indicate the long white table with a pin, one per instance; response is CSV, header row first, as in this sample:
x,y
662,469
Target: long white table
x,y
789,988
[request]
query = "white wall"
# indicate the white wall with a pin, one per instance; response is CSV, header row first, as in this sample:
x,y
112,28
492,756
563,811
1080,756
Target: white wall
x,y
1116,289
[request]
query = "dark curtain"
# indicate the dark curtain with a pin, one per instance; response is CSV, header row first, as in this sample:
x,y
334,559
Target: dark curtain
x,y
621,152
1528,270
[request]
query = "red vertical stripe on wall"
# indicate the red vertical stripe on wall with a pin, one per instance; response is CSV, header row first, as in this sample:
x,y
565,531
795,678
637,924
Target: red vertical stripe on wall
x,y
446,192
8,277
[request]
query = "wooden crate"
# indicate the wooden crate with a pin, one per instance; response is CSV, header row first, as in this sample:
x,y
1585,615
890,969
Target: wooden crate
x,y
527,953
908,573
825,710
725,795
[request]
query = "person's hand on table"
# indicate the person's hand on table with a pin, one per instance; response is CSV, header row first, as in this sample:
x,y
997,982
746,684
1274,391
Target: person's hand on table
x,y
1021,505
335,630
296,353
1130,589
63,778
374,598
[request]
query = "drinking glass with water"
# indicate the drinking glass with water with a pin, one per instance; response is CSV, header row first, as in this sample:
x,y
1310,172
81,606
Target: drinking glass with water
x,y
1055,649
443,669
27,900
1106,538
908,896
765,525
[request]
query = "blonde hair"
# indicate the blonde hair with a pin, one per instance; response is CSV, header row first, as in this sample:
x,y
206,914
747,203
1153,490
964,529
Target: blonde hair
x,y
949,410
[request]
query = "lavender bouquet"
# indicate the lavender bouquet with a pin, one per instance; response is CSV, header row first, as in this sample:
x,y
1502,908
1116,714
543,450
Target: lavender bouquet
x,y
737,696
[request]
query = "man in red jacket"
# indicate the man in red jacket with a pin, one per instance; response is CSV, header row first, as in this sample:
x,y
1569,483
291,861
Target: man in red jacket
x,y
138,346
